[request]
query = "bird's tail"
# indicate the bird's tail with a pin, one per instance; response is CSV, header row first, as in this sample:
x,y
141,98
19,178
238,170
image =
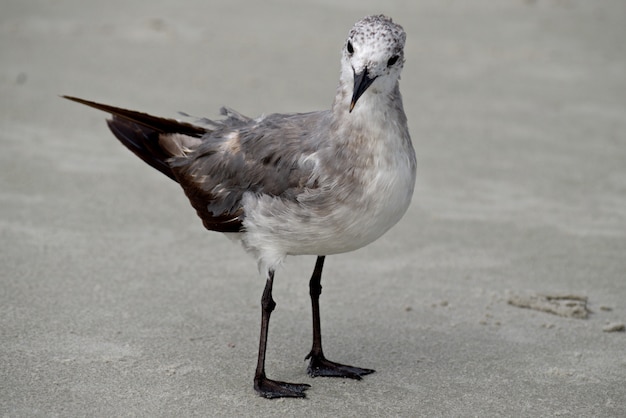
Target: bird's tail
x,y
151,138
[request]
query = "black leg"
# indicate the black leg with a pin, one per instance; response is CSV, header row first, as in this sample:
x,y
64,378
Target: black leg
x,y
319,365
264,386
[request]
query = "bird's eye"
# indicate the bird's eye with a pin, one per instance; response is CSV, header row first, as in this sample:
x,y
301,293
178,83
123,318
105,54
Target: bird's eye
x,y
350,48
392,60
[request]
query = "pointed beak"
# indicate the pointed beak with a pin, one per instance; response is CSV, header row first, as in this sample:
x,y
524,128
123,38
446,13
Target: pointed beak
x,y
361,82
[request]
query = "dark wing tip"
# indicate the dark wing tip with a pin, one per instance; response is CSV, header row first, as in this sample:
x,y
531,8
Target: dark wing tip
x,y
163,125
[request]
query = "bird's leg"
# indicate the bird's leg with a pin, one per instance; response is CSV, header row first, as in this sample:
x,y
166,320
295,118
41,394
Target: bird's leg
x,y
264,386
319,365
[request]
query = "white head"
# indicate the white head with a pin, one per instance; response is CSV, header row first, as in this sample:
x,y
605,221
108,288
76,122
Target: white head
x,y
373,57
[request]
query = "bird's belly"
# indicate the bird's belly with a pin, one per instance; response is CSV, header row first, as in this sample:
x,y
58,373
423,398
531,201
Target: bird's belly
x,y
329,221
354,226
328,225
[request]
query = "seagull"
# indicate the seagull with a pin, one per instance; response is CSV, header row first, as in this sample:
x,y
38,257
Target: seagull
x,y
317,183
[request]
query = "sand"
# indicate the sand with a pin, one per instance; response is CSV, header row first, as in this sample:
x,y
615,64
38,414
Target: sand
x,y
115,302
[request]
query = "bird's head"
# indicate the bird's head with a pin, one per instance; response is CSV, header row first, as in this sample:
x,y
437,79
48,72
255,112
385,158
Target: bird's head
x,y
373,57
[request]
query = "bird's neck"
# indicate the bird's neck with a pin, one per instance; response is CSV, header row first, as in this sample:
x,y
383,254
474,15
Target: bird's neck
x,y
375,111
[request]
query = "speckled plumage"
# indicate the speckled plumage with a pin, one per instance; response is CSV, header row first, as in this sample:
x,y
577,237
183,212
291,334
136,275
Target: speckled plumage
x,y
316,183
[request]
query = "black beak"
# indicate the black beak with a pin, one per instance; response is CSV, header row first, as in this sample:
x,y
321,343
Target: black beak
x,y
361,83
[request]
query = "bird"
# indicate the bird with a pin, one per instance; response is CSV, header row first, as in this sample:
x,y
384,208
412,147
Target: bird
x,y
319,183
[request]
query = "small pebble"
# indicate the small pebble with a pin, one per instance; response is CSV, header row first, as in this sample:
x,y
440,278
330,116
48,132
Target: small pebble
x,y
614,327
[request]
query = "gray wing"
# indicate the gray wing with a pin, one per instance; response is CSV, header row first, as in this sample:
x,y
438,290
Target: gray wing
x,y
217,162
266,156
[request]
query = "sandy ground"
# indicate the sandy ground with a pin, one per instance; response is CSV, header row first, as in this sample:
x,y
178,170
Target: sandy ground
x,y
115,302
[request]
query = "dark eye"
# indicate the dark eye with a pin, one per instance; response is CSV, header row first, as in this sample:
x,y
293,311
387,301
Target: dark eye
x,y
392,60
350,48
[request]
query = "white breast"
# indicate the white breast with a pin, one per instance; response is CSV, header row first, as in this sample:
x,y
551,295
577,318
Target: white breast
x,y
347,211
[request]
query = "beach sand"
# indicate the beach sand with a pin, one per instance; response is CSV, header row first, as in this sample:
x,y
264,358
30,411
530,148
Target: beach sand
x,y
115,301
